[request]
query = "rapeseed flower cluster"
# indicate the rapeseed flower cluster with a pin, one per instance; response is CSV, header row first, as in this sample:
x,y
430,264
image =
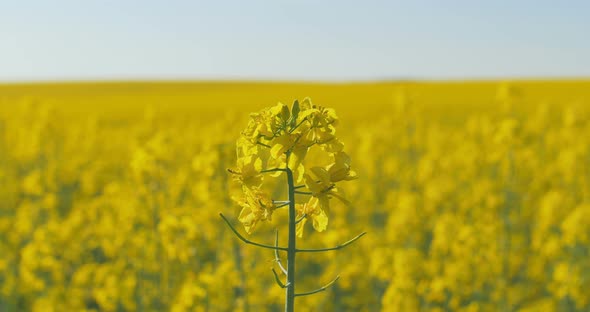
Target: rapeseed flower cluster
x,y
280,137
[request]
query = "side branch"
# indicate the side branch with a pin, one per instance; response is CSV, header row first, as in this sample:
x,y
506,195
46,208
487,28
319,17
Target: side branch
x,y
323,288
247,241
301,218
281,203
297,126
262,144
273,170
277,258
336,247
278,280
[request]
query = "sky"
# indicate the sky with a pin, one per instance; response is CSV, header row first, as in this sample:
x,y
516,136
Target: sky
x,y
292,40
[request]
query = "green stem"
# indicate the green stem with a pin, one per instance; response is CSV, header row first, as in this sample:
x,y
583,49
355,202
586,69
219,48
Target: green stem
x,y
247,241
335,247
291,249
297,126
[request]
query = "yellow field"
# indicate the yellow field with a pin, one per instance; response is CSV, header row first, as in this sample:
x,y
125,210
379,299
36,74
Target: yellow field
x,y
476,197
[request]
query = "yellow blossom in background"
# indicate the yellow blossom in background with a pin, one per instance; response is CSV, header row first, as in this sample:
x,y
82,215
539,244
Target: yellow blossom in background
x,y
476,195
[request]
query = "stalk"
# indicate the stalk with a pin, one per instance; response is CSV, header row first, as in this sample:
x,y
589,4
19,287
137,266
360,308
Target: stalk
x,y
290,289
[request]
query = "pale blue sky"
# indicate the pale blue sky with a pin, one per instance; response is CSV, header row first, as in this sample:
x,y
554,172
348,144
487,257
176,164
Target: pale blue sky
x,y
293,40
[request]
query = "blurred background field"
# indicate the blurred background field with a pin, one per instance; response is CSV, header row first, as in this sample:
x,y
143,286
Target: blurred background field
x,y
121,98
476,197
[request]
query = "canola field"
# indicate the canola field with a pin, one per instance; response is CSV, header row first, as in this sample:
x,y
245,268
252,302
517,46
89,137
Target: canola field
x,y
475,197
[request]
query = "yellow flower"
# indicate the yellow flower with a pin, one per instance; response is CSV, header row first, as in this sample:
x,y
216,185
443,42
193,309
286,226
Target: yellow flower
x,y
313,211
320,129
259,126
248,171
256,206
281,144
33,184
340,169
319,183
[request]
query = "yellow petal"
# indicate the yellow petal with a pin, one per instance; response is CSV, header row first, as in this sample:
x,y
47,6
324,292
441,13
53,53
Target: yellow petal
x,y
297,155
333,145
281,144
320,221
299,228
306,104
320,173
299,173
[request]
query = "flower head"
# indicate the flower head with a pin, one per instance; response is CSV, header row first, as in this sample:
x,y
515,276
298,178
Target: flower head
x,y
280,138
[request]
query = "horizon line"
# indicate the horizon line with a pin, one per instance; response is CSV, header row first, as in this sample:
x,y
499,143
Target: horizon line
x,y
115,80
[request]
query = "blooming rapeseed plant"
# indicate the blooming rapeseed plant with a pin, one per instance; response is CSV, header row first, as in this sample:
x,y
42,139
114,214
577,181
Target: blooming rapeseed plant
x,y
276,141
